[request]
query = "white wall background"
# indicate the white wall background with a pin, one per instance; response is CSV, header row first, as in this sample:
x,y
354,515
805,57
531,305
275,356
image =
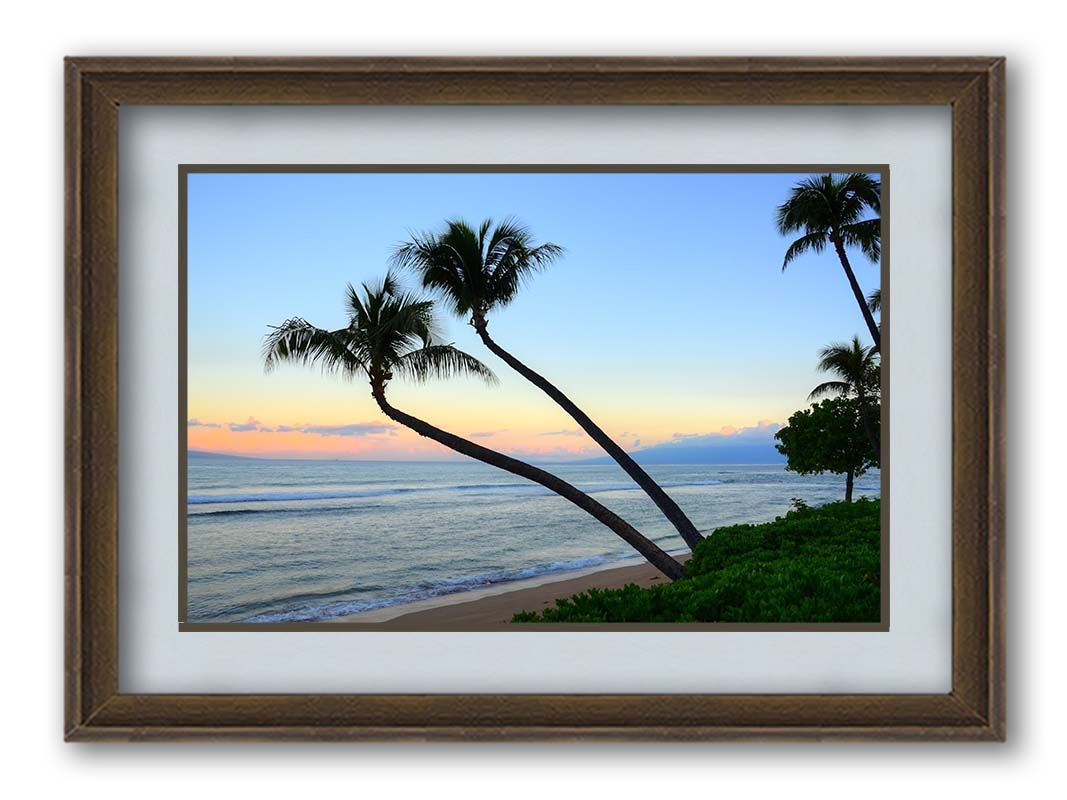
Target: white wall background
x,y
31,511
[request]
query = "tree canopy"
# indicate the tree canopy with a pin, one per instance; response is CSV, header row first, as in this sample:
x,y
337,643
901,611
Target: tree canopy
x,y
390,333
828,206
828,437
475,270
856,368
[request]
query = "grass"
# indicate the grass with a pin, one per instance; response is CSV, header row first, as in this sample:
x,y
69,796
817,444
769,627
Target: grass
x,y
812,565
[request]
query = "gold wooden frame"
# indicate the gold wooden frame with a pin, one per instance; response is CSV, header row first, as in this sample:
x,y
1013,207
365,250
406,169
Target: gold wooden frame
x,y
96,87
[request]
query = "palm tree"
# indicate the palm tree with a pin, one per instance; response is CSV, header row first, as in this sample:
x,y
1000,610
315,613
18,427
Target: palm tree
x,y
391,334
857,371
874,302
829,209
478,271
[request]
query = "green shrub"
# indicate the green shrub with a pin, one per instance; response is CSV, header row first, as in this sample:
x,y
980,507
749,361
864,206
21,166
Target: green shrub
x,y
812,565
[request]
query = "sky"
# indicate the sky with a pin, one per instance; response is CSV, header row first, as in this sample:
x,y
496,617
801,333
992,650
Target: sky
x,y
667,317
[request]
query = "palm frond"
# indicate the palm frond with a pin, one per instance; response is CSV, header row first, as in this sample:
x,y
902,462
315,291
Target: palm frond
x,y
298,341
509,232
830,387
874,301
865,189
855,365
821,202
391,333
409,319
516,265
439,266
441,361
866,235
807,209
354,303
474,269
816,242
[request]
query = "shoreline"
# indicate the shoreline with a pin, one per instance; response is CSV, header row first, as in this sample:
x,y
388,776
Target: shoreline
x,y
494,605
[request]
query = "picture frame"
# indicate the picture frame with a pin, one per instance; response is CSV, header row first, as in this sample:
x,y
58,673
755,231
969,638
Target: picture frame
x,y
974,709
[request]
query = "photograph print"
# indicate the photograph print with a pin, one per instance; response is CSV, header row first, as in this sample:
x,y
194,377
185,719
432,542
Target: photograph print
x,y
531,398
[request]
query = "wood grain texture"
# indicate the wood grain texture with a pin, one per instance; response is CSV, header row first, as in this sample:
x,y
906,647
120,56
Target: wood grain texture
x,y
91,400
687,717
530,81
978,397
974,87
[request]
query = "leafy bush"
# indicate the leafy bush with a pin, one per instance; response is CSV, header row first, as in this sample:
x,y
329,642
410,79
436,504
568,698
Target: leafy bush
x,y
812,565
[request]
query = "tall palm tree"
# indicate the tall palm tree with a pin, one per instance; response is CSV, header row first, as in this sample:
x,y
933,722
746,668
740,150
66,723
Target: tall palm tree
x,y
857,371
391,334
829,209
478,271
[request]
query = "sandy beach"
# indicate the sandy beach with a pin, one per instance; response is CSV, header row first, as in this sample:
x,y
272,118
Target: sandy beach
x,y
494,605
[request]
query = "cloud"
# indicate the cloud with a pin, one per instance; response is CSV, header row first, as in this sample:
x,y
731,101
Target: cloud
x,y
486,434
243,427
353,429
637,443
762,431
555,453
563,433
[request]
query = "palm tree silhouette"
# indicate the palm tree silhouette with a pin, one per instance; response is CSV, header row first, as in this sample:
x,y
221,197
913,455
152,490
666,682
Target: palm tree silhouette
x,y
829,209
858,374
874,302
478,271
391,334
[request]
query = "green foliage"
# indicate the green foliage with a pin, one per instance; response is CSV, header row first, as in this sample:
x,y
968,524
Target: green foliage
x,y
829,437
812,565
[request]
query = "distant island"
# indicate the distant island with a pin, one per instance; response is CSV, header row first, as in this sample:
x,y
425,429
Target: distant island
x,y
699,454
209,454
748,446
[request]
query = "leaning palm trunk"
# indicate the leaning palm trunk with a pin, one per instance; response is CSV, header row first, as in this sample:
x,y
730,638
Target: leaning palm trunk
x,y
670,509
865,418
868,317
652,553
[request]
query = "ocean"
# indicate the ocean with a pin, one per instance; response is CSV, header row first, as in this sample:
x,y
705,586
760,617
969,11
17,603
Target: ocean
x,y
305,541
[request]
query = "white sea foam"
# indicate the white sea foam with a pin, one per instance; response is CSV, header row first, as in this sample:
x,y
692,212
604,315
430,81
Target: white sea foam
x,y
330,610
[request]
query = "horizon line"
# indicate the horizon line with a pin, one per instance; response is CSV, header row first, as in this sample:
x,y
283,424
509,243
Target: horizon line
x,y
580,462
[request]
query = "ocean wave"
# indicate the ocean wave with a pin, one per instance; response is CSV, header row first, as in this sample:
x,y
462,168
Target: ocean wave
x,y
348,494
426,591
290,511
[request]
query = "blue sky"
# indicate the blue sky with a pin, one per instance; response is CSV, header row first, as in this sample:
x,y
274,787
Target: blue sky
x,y
668,314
